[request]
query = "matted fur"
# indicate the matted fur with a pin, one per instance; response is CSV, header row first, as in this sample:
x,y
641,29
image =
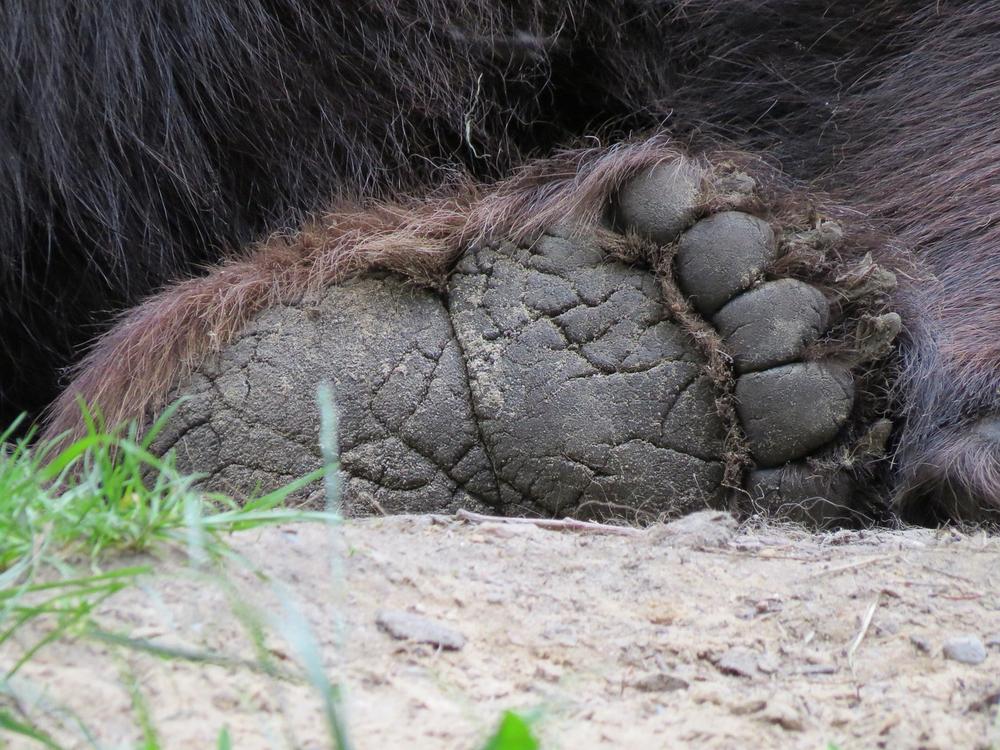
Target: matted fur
x,y
958,476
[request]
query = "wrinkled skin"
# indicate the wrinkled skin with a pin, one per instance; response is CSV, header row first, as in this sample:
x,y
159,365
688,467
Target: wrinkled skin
x,y
549,378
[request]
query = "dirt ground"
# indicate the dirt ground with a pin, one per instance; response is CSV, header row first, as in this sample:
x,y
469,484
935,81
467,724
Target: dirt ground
x,y
694,636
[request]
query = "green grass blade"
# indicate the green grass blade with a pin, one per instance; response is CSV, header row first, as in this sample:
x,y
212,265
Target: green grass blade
x,y
12,725
514,733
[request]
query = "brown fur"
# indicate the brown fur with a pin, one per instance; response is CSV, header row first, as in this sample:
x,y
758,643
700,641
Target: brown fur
x,y
959,469
924,160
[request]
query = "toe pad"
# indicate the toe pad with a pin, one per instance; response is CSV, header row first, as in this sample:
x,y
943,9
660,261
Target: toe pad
x,y
789,411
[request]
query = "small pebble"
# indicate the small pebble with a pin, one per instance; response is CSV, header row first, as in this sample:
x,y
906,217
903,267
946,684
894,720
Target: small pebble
x,y
889,626
706,528
967,649
768,663
738,661
779,711
922,643
744,708
404,626
659,682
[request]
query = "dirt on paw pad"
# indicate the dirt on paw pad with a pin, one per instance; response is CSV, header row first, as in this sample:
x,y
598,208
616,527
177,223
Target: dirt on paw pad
x,y
654,363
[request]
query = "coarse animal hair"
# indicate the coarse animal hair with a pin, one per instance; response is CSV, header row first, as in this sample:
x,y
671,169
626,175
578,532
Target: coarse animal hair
x,y
140,141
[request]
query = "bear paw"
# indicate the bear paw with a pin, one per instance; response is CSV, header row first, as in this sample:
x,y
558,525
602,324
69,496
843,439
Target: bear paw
x,y
697,347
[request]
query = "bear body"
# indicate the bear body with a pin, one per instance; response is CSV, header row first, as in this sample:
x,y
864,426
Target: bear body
x,y
145,140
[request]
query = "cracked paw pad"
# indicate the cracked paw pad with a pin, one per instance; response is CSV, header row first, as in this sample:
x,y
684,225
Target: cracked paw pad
x,y
556,376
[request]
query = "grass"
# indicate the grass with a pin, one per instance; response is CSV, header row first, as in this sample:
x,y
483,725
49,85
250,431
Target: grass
x,y
107,493
68,515
513,733
68,511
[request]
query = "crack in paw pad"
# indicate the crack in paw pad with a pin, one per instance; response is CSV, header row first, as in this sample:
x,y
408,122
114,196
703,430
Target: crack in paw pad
x,y
593,372
588,397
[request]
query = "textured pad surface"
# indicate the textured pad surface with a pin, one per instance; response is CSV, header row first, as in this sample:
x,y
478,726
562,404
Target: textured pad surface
x,y
587,395
772,324
546,380
408,440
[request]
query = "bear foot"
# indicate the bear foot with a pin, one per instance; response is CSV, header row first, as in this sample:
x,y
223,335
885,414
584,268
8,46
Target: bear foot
x,y
702,345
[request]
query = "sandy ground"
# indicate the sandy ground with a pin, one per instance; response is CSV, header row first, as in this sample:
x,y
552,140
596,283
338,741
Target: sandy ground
x,y
711,637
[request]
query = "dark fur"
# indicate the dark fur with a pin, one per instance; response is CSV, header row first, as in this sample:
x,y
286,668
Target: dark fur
x,y
142,139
